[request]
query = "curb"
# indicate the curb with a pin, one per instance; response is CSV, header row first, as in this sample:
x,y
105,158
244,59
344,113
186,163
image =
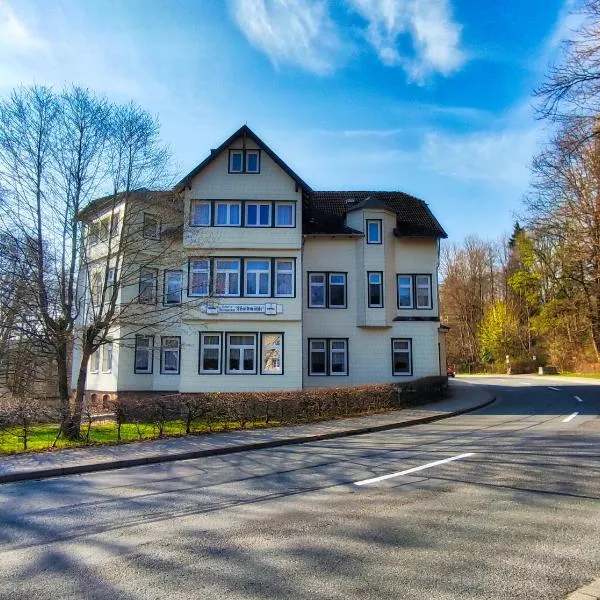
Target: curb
x,y
165,458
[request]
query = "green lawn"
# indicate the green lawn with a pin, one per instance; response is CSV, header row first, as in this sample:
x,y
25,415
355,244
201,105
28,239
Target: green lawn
x,y
42,437
588,375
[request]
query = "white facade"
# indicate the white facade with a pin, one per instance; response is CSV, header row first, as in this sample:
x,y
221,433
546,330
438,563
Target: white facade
x,y
260,288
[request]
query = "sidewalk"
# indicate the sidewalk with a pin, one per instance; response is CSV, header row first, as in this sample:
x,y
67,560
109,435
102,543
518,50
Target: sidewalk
x,y
42,465
587,592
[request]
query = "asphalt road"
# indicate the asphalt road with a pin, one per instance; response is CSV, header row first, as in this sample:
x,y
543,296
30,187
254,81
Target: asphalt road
x,y
514,514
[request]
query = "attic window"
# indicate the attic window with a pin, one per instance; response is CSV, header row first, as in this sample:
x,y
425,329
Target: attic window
x,y
236,161
252,161
244,161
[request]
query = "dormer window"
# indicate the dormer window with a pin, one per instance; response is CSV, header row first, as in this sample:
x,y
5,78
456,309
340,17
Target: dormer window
x,y
373,231
244,161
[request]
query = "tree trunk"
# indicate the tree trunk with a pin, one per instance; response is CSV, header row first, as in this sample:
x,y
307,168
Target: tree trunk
x,y
64,394
73,425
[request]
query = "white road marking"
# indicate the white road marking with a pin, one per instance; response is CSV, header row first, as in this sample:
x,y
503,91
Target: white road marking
x,y
525,383
413,470
553,388
570,417
578,399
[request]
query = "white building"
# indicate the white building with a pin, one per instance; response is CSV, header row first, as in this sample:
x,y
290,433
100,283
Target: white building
x,y
262,283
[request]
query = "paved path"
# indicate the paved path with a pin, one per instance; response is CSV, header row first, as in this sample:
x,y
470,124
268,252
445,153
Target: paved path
x,y
89,459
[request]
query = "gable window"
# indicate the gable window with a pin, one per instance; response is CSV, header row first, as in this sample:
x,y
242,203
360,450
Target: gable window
x,y
252,161
316,290
317,364
236,161
169,355
258,278
143,353
200,213
285,214
210,353
423,291
227,277
228,214
337,290
284,278
173,287
271,361
199,270
373,231
405,291
258,214
241,353
148,283
107,356
375,279
401,356
151,230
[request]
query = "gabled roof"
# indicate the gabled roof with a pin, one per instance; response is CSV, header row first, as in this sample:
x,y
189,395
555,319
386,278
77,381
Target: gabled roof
x,y
328,209
243,131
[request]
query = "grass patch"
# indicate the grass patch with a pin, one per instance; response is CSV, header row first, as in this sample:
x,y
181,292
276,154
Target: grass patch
x,y
586,375
42,437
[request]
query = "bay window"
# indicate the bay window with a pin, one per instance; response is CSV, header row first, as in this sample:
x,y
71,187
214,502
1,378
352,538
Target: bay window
x,y
375,289
423,291
405,291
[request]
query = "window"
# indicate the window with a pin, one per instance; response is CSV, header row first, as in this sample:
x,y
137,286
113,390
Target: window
x,y
252,161
151,227
210,353
97,289
236,161
104,229
374,231
258,214
338,357
228,214
144,346
328,356
95,361
405,291
375,289
107,353
337,290
199,272
285,215
423,291
258,277
227,277
115,224
284,278
200,213
271,354
169,355
316,290
401,357
94,232
241,353
148,283
317,364
111,277
173,287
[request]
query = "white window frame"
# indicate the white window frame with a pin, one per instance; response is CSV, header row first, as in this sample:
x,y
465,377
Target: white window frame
x,y
256,273
279,205
408,351
97,290
115,224
420,286
167,276
272,351
228,223
107,357
379,224
258,205
193,205
279,272
94,233
151,236
379,283
405,286
323,351
330,285
241,348
310,287
228,271
149,350
95,361
165,349
333,351
246,161
197,266
111,277
242,161
104,229
154,274
204,346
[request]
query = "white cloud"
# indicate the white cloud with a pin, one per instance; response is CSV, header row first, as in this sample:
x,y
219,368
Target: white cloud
x,y
15,36
295,32
435,36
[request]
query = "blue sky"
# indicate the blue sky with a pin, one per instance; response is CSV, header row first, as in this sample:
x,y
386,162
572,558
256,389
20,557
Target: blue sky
x,y
431,97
